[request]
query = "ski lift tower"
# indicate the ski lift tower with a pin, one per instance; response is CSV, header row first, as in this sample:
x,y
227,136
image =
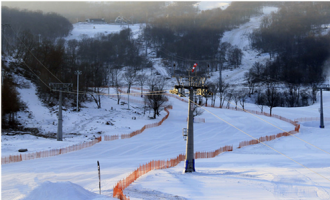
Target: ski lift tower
x,y
59,87
322,87
194,82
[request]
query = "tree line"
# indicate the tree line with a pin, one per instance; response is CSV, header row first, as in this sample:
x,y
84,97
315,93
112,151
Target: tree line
x,y
293,38
187,37
48,25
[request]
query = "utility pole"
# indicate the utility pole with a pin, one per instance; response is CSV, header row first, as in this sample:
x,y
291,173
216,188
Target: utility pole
x,y
325,87
194,83
60,87
77,73
128,91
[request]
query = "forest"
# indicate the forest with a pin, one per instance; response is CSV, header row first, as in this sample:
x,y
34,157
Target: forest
x,y
181,35
298,51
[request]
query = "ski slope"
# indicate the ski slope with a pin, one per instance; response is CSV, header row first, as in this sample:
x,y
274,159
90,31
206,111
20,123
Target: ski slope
x,y
259,170
240,38
84,29
253,172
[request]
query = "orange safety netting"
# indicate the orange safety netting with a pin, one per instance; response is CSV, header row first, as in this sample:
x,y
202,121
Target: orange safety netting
x,y
306,119
134,133
48,153
159,164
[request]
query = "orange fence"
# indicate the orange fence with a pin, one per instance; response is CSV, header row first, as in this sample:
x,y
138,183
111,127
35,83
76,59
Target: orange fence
x,y
152,165
213,154
306,119
159,164
134,133
266,138
48,153
162,164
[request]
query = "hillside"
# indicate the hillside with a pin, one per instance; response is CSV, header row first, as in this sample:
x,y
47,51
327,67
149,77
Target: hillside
x,y
293,167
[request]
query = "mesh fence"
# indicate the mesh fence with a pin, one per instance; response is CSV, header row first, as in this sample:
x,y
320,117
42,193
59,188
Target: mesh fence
x,y
134,133
159,164
48,153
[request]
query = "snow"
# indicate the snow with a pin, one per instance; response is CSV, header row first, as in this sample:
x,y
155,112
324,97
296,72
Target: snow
x,y
252,172
254,167
84,29
239,37
62,190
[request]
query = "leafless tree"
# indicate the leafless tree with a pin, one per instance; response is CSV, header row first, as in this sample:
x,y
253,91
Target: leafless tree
x,y
236,97
243,94
116,82
235,56
229,97
272,97
197,110
223,87
142,79
260,100
155,98
130,78
292,94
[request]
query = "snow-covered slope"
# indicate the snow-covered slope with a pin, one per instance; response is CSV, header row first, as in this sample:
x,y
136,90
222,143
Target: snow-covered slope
x,y
239,37
84,29
270,174
253,172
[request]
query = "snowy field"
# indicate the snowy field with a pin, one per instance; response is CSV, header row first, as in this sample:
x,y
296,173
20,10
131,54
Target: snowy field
x,y
256,171
84,29
300,171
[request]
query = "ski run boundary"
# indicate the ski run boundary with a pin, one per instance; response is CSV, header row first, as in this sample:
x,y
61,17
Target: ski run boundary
x,y
159,164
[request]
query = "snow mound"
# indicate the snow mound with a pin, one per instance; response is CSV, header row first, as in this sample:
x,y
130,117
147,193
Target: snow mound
x,y
61,190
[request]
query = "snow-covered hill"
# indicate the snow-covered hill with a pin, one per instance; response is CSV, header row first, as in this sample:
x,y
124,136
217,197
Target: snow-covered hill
x,y
253,172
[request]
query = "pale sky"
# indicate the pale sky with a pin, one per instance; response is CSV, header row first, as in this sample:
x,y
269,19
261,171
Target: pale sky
x,y
206,5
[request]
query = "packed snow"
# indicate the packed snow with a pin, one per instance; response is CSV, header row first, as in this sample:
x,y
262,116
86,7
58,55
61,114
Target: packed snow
x,y
252,172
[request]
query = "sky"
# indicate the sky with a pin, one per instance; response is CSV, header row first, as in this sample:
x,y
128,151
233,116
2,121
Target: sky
x,y
207,5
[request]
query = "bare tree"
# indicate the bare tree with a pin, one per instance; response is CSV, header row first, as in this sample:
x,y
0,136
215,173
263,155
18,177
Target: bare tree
x,y
229,97
236,97
155,98
235,56
129,78
292,94
272,97
243,94
142,78
260,100
197,110
212,88
117,83
223,87
250,82
99,78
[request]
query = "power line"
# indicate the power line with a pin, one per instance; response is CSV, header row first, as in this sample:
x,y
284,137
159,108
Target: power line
x,y
263,143
37,58
283,130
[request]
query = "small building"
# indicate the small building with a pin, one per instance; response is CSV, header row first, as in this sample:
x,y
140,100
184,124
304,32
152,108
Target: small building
x,y
96,21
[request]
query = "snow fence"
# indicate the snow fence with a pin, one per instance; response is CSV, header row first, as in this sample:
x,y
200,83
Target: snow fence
x,y
48,153
159,164
164,164
137,132
308,119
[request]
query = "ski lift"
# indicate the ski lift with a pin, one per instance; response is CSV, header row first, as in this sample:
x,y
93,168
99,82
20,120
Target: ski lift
x,y
184,133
